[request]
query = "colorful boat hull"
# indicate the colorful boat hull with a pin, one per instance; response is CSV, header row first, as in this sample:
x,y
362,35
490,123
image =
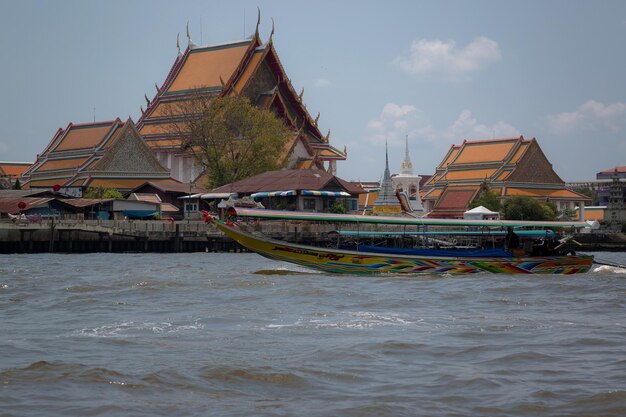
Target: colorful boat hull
x,y
353,262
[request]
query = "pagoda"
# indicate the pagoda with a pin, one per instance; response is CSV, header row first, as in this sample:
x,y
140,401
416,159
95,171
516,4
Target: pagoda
x,y
247,67
387,202
408,182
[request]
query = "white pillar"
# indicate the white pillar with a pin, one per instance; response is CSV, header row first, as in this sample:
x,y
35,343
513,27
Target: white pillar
x,y
581,211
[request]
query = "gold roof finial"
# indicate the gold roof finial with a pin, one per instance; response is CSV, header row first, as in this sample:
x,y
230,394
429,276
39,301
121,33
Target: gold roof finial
x,y
316,118
222,81
272,33
258,21
301,94
178,42
327,137
188,36
157,88
141,108
147,99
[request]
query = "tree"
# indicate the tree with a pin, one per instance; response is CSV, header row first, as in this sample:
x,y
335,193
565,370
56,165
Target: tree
x,y
527,208
17,185
488,199
229,137
101,192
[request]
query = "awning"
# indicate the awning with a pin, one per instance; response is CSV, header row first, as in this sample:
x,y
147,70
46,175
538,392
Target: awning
x,y
263,194
209,196
326,193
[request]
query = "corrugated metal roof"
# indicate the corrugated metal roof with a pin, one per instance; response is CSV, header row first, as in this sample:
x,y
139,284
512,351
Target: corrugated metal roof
x,y
11,204
291,179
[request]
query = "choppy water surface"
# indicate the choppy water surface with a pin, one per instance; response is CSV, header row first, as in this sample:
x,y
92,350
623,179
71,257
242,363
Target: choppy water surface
x,y
238,335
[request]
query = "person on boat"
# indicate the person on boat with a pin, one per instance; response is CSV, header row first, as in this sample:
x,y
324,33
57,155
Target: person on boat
x,y
512,240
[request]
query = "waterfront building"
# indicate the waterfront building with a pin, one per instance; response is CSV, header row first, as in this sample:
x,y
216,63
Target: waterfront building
x,y
173,193
616,209
249,68
508,167
296,189
10,172
108,154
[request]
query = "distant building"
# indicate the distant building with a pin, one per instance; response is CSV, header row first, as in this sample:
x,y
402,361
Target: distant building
x,y
11,171
249,68
407,182
108,154
387,201
509,167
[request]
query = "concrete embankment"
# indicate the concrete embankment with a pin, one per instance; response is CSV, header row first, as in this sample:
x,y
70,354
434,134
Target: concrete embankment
x,y
72,236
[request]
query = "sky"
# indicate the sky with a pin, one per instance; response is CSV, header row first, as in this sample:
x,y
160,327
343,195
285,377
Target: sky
x,y
439,72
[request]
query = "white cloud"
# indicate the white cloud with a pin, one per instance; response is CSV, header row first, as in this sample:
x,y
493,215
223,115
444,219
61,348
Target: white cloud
x,y
427,143
321,83
397,121
445,58
591,115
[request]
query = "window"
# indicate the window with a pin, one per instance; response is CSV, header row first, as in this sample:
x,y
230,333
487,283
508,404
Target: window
x,y
308,204
189,207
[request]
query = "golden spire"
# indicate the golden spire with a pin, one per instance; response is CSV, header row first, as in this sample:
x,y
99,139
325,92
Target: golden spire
x,y
258,21
272,33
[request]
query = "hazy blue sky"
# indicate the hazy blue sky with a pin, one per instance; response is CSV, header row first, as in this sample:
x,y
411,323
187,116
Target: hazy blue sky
x,y
438,71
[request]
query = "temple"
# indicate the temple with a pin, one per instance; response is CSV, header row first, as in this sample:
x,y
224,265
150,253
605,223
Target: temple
x,y
408,182
107,154
249,68
509,167
10,172
387,202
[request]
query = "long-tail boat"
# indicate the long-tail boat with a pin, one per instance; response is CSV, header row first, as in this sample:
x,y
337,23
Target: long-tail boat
x,y
363,259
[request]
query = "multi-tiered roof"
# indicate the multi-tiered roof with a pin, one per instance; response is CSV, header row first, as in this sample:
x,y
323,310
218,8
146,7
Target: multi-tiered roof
x,y
247,67
107,154
510,167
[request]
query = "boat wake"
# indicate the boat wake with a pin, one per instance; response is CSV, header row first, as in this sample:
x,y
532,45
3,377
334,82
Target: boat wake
x,y
609,269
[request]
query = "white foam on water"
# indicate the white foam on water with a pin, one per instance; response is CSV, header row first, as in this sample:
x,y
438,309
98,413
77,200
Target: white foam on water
x,y
609,269
132,329
354,320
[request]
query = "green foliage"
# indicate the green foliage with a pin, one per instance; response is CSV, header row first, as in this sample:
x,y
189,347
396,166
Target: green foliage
x,y
527,208
17,185
623,227
488,199
338,208
101,192
230,137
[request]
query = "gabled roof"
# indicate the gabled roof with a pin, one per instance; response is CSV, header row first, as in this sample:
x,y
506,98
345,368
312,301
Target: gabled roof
x,y
108,154
13,169
172,186
246,67
494,160
291,179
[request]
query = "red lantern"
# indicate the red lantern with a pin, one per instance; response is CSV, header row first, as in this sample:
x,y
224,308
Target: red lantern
x,y
56,188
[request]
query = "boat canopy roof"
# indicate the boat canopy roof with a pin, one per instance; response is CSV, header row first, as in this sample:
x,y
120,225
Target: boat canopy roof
x,y
356,218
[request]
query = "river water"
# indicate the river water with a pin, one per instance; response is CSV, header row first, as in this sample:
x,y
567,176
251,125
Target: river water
x,y
237,335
